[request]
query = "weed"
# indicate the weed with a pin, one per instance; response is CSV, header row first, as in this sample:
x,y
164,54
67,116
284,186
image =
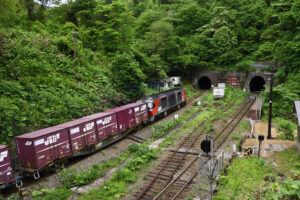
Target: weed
x,y
286,127
244,176
115,188
71,177
59,193
236,136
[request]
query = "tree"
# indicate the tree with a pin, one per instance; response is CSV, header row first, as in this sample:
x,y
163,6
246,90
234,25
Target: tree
x,y
112,29
191,17
8,10
127,75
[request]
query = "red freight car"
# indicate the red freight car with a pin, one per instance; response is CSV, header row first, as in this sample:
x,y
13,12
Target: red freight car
x,y
140,112
125,117
106,124
77,141
37,149
82,133
6,171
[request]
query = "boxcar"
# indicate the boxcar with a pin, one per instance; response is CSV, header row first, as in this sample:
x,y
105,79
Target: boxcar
x,y
106,124
140,112
125,117
37,149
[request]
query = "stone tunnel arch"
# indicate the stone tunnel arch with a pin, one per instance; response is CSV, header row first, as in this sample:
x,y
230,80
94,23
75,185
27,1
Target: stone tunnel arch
x,y
257,84
204,83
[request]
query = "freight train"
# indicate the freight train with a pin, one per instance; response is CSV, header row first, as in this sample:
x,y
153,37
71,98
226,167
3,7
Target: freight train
x,y
51,147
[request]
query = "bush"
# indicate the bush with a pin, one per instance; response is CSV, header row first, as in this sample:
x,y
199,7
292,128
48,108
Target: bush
x,y
288,189
161,128
287,128
60,193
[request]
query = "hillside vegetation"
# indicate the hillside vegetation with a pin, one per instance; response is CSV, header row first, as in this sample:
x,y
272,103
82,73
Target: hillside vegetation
x,y
123,44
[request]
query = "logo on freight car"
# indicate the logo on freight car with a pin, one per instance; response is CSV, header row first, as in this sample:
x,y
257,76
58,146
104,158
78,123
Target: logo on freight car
x,y
136,109
51,139
3,155
105,121
28,143
88,126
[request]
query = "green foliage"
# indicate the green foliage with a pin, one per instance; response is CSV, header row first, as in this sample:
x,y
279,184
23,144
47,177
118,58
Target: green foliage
x,y
127,75
283,99
122,44
288,160
287,128
115,188
82,177
244,176
14,196
60,193
161,128
288,189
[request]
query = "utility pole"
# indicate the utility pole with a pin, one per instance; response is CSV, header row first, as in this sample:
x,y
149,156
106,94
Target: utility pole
x,y
75,47
211,176
270,105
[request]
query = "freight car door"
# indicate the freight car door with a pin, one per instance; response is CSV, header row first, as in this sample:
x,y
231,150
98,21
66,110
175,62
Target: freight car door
x,y
131,122
101,129
76,138
52,143
62,144
89,132
112,127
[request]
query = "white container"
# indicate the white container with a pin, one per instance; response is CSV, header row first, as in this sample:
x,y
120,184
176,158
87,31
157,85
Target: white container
x,y
175,80
218,93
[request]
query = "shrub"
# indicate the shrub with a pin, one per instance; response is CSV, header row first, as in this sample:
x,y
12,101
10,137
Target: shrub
x,y
286,127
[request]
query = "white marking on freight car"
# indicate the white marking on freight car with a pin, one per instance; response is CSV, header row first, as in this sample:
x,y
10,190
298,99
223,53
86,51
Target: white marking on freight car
x,y
3,155
51,147
74,130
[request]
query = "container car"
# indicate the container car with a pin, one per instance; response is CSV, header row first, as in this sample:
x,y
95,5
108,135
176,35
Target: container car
x,y
38,149
49,147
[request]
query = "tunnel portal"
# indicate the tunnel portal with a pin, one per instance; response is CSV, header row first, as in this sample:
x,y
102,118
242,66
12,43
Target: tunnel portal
x,y
204,83
257,84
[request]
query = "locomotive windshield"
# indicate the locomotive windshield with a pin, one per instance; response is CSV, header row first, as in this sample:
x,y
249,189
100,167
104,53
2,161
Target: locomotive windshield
x,y
150,105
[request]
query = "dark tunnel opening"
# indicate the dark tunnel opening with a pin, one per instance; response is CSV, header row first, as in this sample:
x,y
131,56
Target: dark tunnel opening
x,y
204,83
257,84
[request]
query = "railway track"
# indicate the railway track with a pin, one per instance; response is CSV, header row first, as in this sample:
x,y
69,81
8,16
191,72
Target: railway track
x,y
167,182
